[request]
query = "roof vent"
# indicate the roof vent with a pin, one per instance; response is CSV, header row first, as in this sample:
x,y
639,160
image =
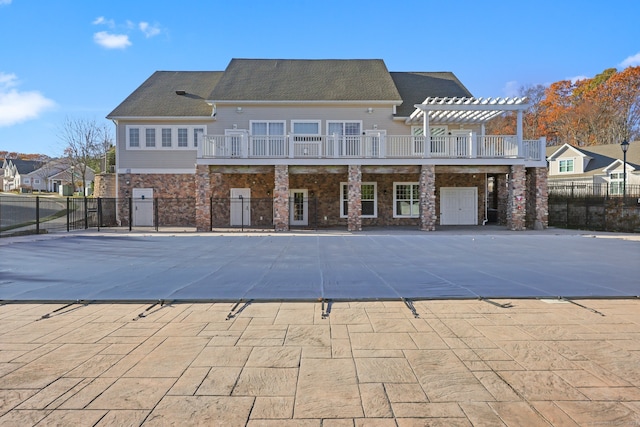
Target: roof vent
x,y
180,92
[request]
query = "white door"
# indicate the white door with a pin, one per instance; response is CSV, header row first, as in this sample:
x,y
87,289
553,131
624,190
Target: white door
x,y
298,207
235,143
240,207
458,206
374,143
143,207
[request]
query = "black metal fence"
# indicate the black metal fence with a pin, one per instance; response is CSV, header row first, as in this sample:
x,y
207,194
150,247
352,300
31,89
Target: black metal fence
x,y
44,214
591,207
604,190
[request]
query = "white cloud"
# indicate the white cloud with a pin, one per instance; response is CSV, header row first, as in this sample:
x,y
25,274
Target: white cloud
x,y
631,61
577,78
3,2
149,30
111,41
16,106
101,20
511,88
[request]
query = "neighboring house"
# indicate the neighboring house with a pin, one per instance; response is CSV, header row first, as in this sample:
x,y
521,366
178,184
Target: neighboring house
x,y
43,176
600,168
17,174
369,147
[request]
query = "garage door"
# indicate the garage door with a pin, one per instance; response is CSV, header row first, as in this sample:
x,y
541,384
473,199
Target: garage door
x,y
458,206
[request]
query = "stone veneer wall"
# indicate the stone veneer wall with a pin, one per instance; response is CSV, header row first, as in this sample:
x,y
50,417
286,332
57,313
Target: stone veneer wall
x,y
354,200
203,198
501,187
428,213
174,191
537,213
516,204
105,185
281,198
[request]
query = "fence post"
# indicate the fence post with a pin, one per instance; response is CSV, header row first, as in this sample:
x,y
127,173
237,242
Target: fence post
x,y
315,206
130,212
68,214
99,212
210,213
241,213
155,212
37,214
86,215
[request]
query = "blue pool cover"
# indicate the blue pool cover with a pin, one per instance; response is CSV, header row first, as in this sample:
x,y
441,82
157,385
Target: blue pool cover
x,y
314,266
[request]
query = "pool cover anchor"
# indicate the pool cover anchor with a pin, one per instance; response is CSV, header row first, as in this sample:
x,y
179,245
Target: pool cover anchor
x,y
497,304
231,314
57,310
325,314
582,306
411,307
145,313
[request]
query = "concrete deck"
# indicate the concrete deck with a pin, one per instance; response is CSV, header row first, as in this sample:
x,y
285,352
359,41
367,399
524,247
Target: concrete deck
x,y
460,363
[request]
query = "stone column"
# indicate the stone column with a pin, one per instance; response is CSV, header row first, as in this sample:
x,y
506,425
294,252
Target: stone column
x,y
281,198
537,199
516,204
203,198
428,198
354,217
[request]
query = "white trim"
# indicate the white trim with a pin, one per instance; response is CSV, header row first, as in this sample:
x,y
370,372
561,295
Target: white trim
x,y
156,171
395,213
307,102
375,199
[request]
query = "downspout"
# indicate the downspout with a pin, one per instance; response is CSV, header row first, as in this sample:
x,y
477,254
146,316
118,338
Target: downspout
x,y
486,200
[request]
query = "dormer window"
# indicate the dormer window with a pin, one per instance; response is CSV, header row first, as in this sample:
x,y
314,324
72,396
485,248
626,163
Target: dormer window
x,y
566,166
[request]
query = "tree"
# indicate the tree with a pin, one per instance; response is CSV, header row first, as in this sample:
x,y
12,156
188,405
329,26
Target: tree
x,y
83,141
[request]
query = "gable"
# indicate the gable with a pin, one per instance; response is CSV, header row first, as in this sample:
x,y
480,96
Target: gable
x,y
415,87
305,80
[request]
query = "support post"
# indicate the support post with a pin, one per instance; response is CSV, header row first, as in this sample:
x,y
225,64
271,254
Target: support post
x,y
38,215
281,198
354,199
516,204
427,188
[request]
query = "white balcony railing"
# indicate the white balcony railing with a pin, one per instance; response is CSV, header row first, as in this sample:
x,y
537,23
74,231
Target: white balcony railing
x,y
370,146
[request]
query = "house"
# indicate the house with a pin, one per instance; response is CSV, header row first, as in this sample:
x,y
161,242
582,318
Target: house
x,y
596,168
17,174
340,143
49,176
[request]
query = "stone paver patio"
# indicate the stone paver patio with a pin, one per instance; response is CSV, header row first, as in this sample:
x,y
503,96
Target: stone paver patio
x,y
460,363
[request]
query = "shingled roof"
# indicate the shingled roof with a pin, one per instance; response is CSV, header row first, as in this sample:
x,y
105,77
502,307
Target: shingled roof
x,y
278,80
157,96
305,80
415,87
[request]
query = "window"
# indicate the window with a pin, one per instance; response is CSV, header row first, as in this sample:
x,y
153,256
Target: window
x,y
406,200
183,135
616,183
169,138
150,137
27,181
196,135
134,137
36,181
566,165
166,138
368,198
305,128
347,136
267,139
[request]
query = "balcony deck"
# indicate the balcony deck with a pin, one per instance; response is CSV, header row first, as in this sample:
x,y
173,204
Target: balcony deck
x,y
377,149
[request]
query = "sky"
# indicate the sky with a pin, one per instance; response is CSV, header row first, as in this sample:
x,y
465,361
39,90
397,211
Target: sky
x,y
76,59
